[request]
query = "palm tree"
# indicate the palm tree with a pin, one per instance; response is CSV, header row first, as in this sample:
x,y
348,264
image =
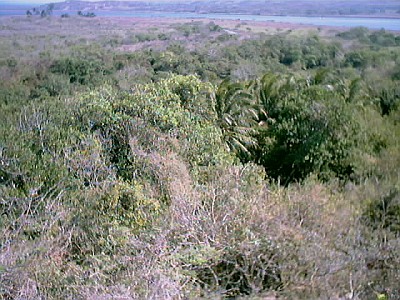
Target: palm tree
x,y
267,92
237,116
272,91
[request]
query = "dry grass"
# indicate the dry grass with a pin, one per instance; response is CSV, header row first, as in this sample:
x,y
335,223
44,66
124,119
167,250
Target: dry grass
x,y
229,233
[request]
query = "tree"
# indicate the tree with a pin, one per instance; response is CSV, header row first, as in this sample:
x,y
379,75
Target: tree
x,y
237,117
88,14
49,9
308,129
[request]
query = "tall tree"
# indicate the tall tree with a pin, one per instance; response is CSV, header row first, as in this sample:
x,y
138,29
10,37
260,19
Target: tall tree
x,y
237,116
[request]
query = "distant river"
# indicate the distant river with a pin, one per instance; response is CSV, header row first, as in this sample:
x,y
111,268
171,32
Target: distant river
x,y
372,23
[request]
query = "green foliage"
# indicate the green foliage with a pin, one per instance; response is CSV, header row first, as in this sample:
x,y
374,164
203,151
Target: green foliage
x,y
384,213
78,70
292,126
236,116
388,97
383,38
359,33
302,136
356,59
176,106
186,165
214,27
233,273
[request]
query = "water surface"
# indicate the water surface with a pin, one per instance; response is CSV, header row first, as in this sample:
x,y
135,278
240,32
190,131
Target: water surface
x,y
371,23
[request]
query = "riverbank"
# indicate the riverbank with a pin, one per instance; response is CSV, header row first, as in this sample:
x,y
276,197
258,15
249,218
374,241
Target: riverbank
x,y
373,22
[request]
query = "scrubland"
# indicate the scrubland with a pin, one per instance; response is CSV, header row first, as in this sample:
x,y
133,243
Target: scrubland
x,y
166,159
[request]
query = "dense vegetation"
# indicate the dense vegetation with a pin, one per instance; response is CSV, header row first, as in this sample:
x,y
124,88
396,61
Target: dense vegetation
x,y
189,161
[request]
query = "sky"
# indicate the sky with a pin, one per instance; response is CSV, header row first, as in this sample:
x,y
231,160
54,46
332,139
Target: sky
x,y
29,1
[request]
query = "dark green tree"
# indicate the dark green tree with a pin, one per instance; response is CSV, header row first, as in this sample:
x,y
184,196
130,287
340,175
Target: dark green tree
x,y
307,128
237,115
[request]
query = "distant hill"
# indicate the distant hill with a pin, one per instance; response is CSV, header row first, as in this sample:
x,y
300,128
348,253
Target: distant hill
x,y
261,7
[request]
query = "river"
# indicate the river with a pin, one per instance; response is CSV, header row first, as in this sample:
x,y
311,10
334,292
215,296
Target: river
x,y
371,23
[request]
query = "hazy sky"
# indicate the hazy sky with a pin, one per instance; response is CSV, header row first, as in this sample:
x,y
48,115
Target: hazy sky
x,y
29,1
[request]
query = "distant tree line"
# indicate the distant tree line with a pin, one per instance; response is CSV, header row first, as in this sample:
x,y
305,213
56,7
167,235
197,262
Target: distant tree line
x,y
48,11
87,15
